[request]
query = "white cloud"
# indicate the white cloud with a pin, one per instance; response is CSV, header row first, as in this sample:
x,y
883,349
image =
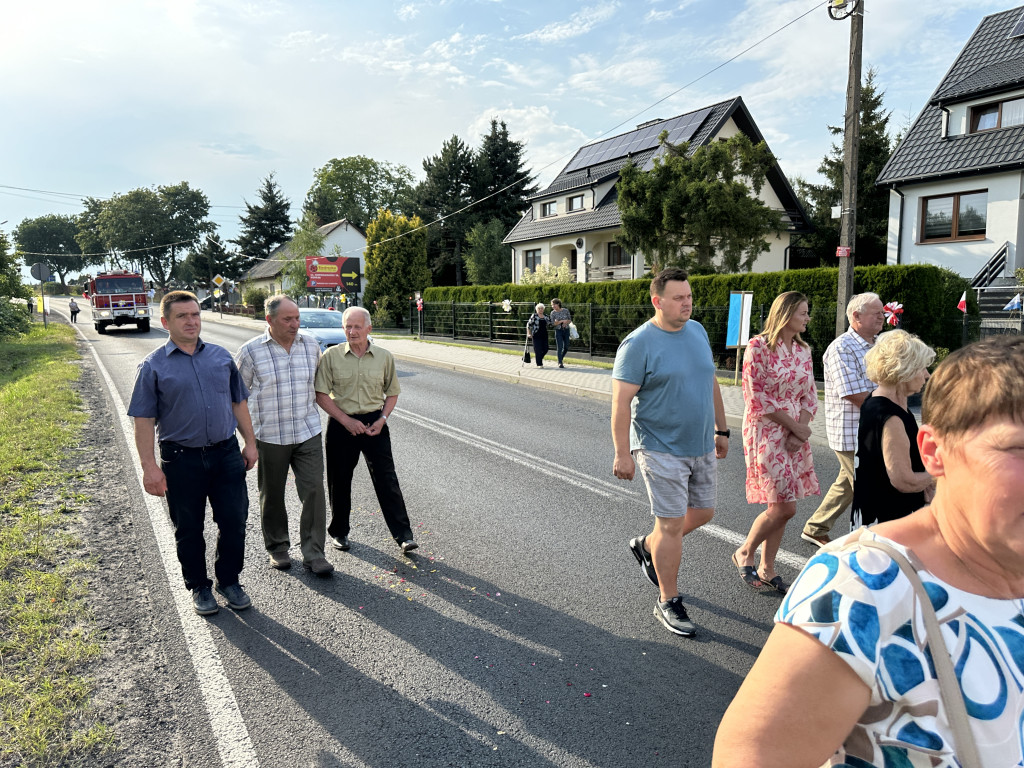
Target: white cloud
x,y
580,23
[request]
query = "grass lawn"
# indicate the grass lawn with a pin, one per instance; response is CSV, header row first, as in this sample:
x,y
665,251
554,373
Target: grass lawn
x,y
45,640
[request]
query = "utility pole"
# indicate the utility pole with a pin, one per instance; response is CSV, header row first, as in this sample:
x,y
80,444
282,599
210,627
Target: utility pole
x,y
851,143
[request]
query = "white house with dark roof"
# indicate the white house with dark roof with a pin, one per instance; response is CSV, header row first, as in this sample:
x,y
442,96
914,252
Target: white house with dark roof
x,y
577,214
957,178
340,237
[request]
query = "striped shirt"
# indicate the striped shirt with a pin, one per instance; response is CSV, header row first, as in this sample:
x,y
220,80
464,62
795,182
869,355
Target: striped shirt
x,y
845,374
282,402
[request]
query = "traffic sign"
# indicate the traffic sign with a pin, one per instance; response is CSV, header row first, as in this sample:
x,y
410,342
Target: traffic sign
x,y
219,281
40,271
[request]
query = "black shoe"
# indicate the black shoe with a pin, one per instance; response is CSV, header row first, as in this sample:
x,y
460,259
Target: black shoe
x,y
636,546
561,366
672,613
408,546
204,602
236,597
340,542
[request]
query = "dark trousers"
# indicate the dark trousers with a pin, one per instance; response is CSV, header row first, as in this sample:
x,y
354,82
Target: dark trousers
x,y
342,452
540,347
194,475
561,342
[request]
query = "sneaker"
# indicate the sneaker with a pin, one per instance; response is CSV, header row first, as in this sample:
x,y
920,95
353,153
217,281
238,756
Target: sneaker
x,y
318,565
203,601
236,597
340,542
672,613
409,546
818,541
280,560
636,546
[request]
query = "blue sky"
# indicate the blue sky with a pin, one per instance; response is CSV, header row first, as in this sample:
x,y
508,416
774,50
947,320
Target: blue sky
x,y
101,98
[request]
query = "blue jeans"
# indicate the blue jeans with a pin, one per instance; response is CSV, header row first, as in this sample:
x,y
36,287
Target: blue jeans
x,y
194,475
561,342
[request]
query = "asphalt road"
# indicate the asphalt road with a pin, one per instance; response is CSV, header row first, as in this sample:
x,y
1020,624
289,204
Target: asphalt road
x,y
519,634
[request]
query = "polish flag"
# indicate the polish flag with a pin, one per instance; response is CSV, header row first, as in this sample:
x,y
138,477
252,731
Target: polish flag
x,y
962,306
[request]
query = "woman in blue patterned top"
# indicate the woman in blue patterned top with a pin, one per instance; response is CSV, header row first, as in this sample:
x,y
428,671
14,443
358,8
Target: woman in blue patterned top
x,y
846,669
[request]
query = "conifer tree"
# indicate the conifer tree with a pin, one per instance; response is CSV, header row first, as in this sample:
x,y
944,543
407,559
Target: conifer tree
x,y
265,225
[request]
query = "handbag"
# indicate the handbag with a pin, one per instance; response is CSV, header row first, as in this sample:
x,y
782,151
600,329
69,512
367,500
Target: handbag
x,y
526,351
949,687
573,333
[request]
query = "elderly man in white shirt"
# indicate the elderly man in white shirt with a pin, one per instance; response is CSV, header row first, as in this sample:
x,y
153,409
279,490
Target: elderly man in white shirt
x,y
279,368
846,387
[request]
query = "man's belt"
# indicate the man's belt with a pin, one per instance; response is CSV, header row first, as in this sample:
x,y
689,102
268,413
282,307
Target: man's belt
x,y
368,418
210,447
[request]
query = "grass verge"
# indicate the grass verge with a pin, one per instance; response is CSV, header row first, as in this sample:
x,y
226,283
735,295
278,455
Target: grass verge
x,y
45,639
496,350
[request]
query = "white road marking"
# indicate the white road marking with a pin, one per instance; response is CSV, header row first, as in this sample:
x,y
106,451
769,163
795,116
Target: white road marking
x,y
229,732
598,486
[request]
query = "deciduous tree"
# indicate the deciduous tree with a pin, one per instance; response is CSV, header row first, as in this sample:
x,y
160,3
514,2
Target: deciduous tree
x,y
396,260
13,319
699,211
308,241
53,235
355,188
264,226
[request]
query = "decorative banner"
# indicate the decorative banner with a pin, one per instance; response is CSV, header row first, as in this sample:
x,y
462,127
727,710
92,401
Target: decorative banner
x,y
737,333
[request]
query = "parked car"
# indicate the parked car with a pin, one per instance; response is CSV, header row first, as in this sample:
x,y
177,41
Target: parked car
x,y
324,325
211,302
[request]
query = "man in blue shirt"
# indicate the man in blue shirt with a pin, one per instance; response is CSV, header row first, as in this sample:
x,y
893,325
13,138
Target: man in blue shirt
x,y
189,394
668,419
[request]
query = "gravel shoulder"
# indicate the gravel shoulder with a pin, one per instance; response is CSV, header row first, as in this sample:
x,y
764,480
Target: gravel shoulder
x,y
134,685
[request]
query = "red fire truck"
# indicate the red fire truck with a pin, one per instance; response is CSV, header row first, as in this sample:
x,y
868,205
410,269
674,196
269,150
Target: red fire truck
x,y
118,297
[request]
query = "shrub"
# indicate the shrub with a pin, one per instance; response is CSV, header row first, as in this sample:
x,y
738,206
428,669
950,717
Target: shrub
x,y
13,319
256,298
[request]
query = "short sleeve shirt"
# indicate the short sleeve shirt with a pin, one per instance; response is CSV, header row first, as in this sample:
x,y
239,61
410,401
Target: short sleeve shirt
x,y
357,384
845,374
674,410
190,396
859,604
282,401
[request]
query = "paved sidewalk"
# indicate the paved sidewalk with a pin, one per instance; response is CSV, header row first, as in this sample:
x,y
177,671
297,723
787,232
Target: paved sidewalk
x,y
574,379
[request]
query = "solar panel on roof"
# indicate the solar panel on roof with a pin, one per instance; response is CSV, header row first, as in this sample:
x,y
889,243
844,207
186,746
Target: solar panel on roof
x,y
1018,28
680,129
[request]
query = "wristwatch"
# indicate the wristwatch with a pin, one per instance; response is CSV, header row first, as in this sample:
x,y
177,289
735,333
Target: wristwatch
x,y
723,432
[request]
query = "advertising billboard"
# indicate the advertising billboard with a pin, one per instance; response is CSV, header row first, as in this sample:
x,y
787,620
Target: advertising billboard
x,y
332,274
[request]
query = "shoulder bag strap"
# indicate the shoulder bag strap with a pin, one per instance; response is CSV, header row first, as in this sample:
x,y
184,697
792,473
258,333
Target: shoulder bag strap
x,y
949,687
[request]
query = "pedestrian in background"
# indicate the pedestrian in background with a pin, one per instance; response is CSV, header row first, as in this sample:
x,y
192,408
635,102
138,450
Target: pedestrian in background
x,y
847,386
560,318
537,330
279,368
73,307
357,386
190,395
890,481
668,419
779,399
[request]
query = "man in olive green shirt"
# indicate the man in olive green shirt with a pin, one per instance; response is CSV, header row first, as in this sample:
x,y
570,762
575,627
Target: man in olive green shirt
x,y
356,385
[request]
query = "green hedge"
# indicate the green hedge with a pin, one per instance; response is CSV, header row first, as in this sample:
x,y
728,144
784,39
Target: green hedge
x,y
929,296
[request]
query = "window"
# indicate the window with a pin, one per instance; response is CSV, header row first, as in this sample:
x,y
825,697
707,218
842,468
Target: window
x,y
954,217
617,257
531,259
549,209
575,203
1002,114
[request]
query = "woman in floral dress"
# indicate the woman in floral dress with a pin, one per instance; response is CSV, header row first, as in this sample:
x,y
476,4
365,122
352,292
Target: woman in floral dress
x,y
780,400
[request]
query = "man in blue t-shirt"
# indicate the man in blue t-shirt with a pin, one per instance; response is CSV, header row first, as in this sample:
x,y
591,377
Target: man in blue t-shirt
x,y
668,419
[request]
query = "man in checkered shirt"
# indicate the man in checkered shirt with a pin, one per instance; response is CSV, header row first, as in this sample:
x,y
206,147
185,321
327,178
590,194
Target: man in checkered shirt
x,y
846,387
278,368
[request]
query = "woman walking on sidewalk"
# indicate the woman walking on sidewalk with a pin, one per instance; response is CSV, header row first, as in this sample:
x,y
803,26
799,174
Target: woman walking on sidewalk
x,y
537,329
560,318
780,400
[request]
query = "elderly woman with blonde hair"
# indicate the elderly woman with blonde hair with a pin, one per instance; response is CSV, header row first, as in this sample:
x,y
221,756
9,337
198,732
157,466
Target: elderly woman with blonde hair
x,y
890,480
903,644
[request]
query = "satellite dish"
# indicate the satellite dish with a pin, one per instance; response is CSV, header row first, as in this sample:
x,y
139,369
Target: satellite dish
x,y
588,259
